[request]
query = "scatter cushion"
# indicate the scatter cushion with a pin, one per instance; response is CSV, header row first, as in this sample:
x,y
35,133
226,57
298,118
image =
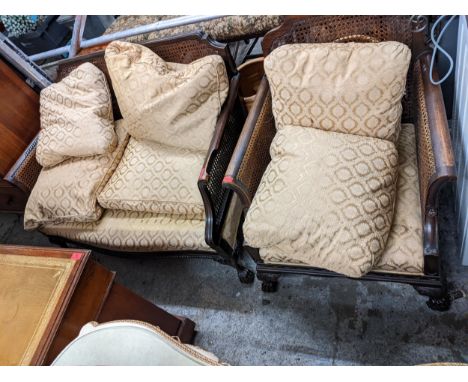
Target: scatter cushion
x,y
173,104
326,199
132,231
76,117
156,178
342,87
404,252
68,191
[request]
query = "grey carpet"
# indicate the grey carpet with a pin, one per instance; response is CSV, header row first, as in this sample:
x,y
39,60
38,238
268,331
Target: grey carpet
x,y
309,321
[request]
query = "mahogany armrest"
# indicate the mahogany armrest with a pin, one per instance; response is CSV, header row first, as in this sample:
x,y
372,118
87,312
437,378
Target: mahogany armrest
x,y
26,169
215,197
252,153
435,155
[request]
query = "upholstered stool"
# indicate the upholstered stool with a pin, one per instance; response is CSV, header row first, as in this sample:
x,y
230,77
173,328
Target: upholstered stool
x,y
130,343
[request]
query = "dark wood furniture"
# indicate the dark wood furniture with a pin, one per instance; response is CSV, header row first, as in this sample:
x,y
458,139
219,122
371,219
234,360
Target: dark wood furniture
x,y
19,124
48,294
182,49
422,105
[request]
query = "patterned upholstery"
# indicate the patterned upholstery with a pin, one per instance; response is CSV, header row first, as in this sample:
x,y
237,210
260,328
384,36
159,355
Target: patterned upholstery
x,y
135,232
173,104
68,191
351,88
156,178
326,199
76,117
227,28
403,253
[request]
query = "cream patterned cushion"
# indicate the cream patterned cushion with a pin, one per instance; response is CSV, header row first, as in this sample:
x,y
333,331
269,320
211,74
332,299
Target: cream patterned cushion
x,y
133,231
326,199
343,87
404,250
173,104
68,191
76,117
156,178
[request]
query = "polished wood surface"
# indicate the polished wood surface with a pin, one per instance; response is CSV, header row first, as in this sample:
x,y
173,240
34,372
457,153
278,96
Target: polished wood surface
x,y
12,199
88,294
34,290
19,116
85,306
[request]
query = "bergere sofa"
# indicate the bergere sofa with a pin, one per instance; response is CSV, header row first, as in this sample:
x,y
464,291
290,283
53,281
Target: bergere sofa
x,y
277,198
119,231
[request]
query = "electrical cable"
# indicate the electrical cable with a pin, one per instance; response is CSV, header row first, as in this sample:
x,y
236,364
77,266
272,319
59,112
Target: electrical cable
x,y
442,50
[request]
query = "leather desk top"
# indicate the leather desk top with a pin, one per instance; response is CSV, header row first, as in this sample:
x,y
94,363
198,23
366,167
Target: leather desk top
x,y
35,287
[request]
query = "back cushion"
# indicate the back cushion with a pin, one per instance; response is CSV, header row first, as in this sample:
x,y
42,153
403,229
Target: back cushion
x,y
351,88
76,117
173,104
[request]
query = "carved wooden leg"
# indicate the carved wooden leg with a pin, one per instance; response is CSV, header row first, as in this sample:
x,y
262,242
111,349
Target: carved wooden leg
x,y
246,276
444,301
269,282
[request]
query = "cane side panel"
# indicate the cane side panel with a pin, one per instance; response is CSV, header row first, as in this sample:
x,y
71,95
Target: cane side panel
x,y
257,153
26,170
426,161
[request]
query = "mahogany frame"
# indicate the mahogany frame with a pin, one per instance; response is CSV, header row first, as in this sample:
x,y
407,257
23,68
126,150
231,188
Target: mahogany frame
x,y
423,106
184,48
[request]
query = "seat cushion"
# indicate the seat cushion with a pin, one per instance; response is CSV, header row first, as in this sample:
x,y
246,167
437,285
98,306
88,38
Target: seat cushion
x,y
173,104
68,191
132,231
404,250
226,28
76,117
156,178
342,87
326,199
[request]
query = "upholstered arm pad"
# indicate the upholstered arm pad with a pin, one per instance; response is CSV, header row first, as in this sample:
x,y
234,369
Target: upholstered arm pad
x,y
252,153
435,153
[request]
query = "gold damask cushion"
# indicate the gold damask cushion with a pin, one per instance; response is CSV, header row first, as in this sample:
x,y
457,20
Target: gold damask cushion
x,y
156,178
76,117
404,251
68,191
135,232
173,104
326,199
342,87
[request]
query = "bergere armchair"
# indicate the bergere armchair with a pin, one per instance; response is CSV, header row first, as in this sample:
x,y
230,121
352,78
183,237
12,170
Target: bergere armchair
x,y
112,233
423,106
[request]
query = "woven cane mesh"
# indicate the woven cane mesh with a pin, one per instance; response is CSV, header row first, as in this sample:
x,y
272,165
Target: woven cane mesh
x,y
218,167
25,174
426,160
257,155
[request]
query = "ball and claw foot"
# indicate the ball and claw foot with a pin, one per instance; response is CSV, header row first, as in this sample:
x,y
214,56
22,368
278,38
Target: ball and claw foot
x,y
269,286
246,276
443,303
